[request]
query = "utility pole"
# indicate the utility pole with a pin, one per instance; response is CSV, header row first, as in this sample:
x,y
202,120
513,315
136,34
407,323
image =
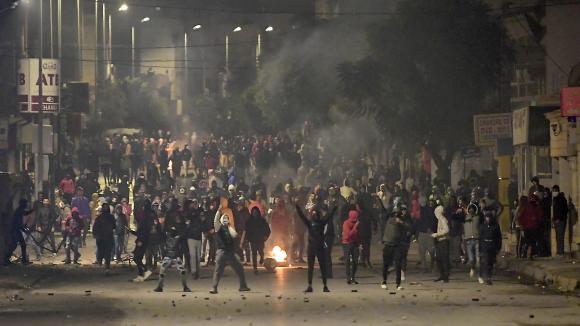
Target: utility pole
x,y
39,156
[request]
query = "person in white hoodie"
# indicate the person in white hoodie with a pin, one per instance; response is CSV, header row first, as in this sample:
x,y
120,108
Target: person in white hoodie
x,y
442,244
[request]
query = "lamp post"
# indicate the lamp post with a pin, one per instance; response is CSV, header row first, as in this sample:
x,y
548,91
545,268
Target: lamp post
x,y
39,156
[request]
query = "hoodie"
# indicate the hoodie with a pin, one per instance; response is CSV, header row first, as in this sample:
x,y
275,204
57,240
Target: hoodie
x,y
350,229
442,224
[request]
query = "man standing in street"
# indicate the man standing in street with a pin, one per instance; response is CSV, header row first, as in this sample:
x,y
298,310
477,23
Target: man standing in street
x,y
442,244
82,204
559,218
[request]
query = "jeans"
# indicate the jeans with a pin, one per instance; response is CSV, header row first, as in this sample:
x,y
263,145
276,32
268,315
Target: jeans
x,y
72,243
560,228
351,253
487,261
257,248
105,251
168,263
426,245
228,257
119,245
392,254
454,248
472,248
194,254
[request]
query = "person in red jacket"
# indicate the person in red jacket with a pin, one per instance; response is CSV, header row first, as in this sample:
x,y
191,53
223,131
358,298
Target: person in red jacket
x,y
73,226
530,219
350,245
67,188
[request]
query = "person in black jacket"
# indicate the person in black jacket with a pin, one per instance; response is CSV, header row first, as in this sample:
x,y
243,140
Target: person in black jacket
x,y
226,251
560,217
315,225
16,234
489,245
257,231
172,257
104,233
142,242
194,228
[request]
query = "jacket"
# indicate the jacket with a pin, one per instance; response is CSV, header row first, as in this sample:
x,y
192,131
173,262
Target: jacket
x,y
257,229
490,237
395,231
104,226
194,226
471,227
428,222
350,229
560,208
73,226
225,235
442,224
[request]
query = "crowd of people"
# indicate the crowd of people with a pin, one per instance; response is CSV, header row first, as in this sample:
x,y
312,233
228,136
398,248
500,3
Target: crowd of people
x,y
187,203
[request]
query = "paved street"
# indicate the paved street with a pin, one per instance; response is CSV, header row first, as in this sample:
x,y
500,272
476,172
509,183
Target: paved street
x,y
59,295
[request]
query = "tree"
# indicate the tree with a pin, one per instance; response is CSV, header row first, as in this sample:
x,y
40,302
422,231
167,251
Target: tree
x,y
430,67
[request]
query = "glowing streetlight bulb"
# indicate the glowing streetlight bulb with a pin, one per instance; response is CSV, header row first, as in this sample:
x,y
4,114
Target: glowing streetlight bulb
x,y
269,29
123,7
237,29
197,27
145,19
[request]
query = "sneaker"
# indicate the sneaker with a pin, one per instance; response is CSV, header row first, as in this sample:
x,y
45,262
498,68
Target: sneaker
x,y
480,280
348,281
325,289
471,273
186,289
213,291
76,262
67,262
488,282
353,281
244,289
158,289
402,275
400,287
384,285
146,275
308,289
138,279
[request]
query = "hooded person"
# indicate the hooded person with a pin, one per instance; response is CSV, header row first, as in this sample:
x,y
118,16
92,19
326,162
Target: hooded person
x,y
73,227
489,246
226,251
393,241
350,245
172,257
256,233
442,244
315,224
227,210
104,233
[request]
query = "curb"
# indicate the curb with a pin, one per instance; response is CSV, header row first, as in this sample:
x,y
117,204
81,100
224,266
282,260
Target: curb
x,y
543,271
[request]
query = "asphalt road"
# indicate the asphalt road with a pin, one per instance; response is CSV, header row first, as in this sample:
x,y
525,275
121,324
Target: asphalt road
x,y
54,294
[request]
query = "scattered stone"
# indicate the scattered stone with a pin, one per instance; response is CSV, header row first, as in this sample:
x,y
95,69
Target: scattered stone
x,y
155,316
50,294
238,310
354,321
183,295
392,293
206,298
279,297
353,290
532,316
414,295
267,295
243,298
475,299
208,318
404,317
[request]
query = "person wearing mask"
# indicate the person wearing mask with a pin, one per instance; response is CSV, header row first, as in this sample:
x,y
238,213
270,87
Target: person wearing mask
x,y
315,224
442,244
226,251
256,233
471,238
172,257
489,246
193,233
393,242
560,210
350,246
104,233
73,226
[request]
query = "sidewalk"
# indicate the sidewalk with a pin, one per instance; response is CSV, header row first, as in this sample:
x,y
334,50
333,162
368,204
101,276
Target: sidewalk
x,y
561,273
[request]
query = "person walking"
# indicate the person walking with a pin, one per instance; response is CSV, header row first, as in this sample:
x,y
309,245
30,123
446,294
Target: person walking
x,y
471,238
144,226
393,242
350,245
121,224
193,233
104,233
73,227
490,245
256,233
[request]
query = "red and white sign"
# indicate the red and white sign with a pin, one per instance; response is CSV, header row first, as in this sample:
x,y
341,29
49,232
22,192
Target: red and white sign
x,y
29,81
489,127
570,102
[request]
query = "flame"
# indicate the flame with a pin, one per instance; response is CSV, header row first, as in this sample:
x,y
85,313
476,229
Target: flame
x,y
278,254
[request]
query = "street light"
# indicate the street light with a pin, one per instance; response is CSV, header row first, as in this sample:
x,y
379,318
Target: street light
x,y
145,19
123,7
237,29
197,27
269,29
